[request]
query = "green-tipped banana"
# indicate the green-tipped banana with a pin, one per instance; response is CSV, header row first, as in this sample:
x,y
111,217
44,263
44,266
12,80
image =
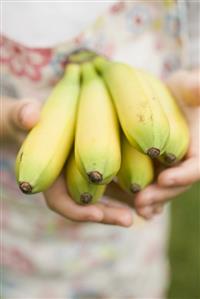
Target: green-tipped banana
x,y
45,150
97,141
140,113
79,188
136,170
178,141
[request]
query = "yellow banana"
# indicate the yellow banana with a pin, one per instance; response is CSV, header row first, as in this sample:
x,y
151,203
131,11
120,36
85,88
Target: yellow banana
x,y
47,146
97,140
178,141
136,170
79,188
140,113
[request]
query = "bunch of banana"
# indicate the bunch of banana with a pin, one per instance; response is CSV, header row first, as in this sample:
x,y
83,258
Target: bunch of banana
x,y
85,110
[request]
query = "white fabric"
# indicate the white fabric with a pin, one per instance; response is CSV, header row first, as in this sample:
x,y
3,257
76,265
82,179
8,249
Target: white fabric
x,y
56,21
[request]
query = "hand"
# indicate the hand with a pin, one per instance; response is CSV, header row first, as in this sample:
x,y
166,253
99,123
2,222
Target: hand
x,y
106,211
176,180
19,117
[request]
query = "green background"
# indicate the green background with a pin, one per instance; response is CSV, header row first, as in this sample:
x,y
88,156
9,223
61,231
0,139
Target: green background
x,y
184,247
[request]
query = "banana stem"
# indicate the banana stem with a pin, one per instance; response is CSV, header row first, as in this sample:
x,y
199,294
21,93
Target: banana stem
x,y
101,63
72,72
81,55
88,71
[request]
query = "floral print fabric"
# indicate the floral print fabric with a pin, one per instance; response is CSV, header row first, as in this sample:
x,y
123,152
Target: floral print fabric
x,y
45,256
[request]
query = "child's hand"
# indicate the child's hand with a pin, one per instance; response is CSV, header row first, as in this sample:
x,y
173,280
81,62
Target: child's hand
x,y
175,180
19,117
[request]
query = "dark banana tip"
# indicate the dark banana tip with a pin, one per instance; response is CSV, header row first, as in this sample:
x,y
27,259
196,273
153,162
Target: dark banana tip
x,y
135,188
153,152
95,177
169,158
25,187
85,198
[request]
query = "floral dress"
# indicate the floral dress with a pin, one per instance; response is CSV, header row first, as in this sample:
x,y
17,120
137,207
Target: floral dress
x,y
43,255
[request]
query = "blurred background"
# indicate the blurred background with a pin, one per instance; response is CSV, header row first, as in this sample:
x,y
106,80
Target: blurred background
x,y
184,245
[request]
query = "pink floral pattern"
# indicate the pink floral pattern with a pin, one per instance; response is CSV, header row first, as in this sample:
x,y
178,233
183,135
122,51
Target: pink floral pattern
x,y
23,61
139,18
117,8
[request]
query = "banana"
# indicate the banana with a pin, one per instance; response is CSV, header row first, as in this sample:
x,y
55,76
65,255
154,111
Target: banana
x,y
45,150
97,140
79,188
178,140
140,113
136,170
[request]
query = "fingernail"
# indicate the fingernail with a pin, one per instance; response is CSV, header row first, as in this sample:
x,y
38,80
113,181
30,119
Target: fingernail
x,y
158,209
146,200
95,218
99,216
147,212
126,220
25,112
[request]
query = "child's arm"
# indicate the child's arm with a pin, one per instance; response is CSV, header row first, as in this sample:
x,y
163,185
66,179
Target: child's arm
x,y
19,116
175,180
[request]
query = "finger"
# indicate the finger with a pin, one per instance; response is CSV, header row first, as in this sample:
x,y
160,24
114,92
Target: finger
x,y
110,202
193,88
60,202
24,114
156,194
186,173
116,215
150,211
145,212
158,208
186,86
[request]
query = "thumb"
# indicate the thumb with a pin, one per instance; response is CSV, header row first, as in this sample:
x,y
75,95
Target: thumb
x,y
24,114
185,85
